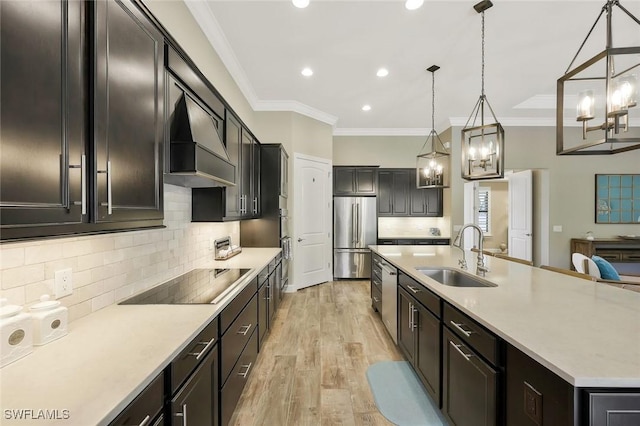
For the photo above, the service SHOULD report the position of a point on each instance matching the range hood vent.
(198, 158)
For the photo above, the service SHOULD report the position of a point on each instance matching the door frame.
(297, 195)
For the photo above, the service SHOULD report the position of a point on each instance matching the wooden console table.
(623, 253)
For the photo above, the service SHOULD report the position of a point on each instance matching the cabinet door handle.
(109, 186)
(413, 289)
(208, 344)
(183, 414)
(375, 299)
(83, 182)
(145, 421)
(246, 372)
(410, 316)
(245, 331)
(462, 330)
(413, 317)
(466, 356)
(255, 205)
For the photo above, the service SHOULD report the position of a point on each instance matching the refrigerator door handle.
(353, 223)
(358, 233)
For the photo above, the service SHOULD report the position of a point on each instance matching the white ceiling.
(529, 44)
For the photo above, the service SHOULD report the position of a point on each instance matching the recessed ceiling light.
(300, 3)
(307, 72)
(382, 72)
(366, 108)
(413, 4)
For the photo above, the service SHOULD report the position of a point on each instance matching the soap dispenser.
(16, 332)
(49, 320)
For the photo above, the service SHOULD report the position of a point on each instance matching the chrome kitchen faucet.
(481, 269)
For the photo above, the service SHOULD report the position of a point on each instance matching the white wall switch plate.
(557, 228)
(63, 283)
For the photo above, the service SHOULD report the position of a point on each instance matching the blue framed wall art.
(618, 198)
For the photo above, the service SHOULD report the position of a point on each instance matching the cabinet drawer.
(191, 356)
(420, 293)
(239, 302)
(376, 298)
(405, 242)
(236, 337)
(387, 242)
(232, 389)
(483, 341)
(631, 256)
(610, 255)
(263, 276)
(146, 405)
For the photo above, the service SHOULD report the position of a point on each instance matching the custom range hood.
(197, 156)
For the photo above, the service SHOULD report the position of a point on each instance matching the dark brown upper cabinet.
(399, 196)
(128, 119)
(82, 118)
(241, 201)
(358, 181)
(43, 133)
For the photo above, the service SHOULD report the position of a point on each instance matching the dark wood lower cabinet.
(419, 341)
(611, 407)
(146, 406)
(232, 389)
(263, 314)
(427, 357)
(536, 396)
(197, 401)
(469, 385)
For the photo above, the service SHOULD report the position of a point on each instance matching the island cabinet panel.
(534, 395)
(611, 407)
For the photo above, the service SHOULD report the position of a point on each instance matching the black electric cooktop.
(197, 286)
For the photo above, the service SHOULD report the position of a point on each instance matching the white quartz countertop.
(587, 333)
(108, 357)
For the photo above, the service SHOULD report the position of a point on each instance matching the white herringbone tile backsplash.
(110, 267)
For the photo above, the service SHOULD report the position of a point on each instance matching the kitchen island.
(538, 347)
(90, 375)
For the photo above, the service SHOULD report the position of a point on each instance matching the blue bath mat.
(400, 396)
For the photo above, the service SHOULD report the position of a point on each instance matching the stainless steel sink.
(455, 278)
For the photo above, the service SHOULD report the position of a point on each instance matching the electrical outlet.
(557, 228)
(212, 243)
(63, 283)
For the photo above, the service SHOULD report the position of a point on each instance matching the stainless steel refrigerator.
(354, 229)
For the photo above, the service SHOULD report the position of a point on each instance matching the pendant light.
(603, 92)
(482, 136)
(432, 166)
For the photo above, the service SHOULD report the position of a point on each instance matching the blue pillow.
(607, 271)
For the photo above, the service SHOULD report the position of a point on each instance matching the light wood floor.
(311, 369)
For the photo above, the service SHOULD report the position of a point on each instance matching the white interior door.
(312, 221)
(470, 213)
(521, 215)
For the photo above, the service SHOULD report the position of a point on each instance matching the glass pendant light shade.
(433, 161)
(606, 86)
(433, 167)
(482, 136)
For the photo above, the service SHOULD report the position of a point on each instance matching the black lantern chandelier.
(432, 166)
(606, 86)
(482, 136)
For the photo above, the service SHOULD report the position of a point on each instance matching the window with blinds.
(484, 200)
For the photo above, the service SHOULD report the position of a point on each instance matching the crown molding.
(209, 25)
(298, 107)
(381, 132)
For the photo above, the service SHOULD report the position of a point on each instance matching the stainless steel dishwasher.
(390, 299)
